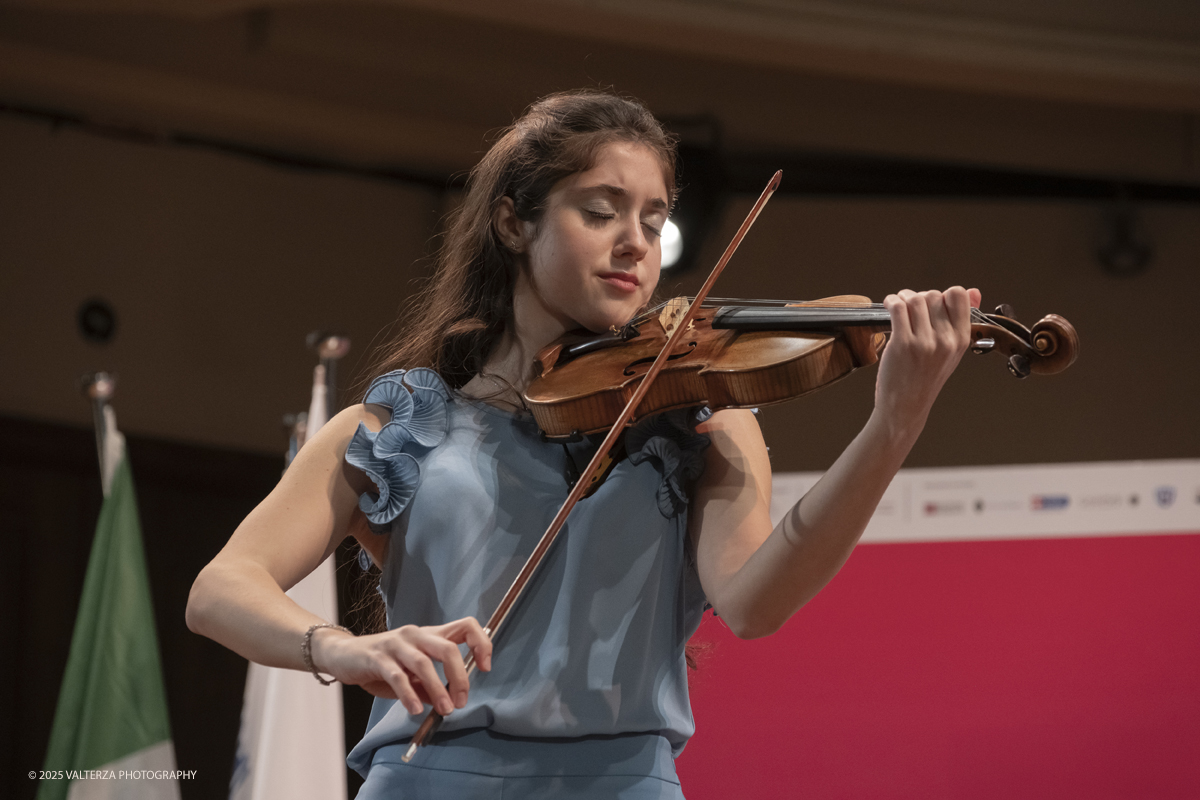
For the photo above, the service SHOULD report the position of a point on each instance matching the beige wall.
(415, 83)
(218, 266)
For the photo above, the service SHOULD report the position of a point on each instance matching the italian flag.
(111, 737)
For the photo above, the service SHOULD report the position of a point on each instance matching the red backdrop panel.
(1055, 668)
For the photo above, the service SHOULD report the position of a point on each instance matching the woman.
(559, 230)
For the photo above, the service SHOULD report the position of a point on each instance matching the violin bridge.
(672, 312)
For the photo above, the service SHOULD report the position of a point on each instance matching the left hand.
(930, 332)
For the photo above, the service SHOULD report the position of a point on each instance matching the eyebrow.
(617, 191)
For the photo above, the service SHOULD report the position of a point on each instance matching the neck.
(509, 367)
(533, 327)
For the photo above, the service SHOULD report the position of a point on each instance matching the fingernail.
(414, 707)
(460, 699)
(445, 707)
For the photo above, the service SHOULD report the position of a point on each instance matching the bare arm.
(757, 576)
(239, 598)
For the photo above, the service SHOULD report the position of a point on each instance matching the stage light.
(672, 244)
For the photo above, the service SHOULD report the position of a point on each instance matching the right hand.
(398, 664)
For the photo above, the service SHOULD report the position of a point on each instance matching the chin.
(601, 314)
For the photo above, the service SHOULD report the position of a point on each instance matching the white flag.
(292, 742)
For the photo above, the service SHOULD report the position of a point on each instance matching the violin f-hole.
(631, 370)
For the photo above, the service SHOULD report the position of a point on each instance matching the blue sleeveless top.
(596, 643)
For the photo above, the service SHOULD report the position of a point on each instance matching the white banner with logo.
(1025, 501)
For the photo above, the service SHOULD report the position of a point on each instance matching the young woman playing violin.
(443, 479)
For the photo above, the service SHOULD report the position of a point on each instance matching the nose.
(631, 243)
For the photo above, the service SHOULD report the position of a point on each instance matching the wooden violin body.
(745, 356)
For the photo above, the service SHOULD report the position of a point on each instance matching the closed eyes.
(600, 214)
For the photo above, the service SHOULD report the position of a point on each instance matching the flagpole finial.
(98, 386)
(329, 346)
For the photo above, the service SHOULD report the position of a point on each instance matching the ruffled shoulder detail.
(418, 401)
(671, 440)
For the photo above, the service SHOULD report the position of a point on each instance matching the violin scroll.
(1057, 343)
(1049, 347)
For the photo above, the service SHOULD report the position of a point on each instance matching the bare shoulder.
(373, 415)
(736, 459)
(328, 446)
(734, 433)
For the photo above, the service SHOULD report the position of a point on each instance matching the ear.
(508, 227)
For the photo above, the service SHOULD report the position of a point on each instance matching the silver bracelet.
(306, 648)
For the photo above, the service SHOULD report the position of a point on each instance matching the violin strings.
(977, 316)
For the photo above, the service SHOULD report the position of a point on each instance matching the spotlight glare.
(672, 244)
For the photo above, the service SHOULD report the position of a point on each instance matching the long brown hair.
(454, 322)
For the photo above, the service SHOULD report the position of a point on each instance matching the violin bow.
(434, 720)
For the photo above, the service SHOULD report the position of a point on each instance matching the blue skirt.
(481, 764)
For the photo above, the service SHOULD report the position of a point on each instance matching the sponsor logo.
(933, 508)
(1050, 502)
(1101, 501)
(1164, 496)
(992, 504)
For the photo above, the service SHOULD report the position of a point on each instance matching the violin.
(736, 355)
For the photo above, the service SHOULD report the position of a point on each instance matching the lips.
(625, 281)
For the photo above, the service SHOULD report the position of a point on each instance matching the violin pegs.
(1005, 310)
(982, 345)
(1018, 365)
